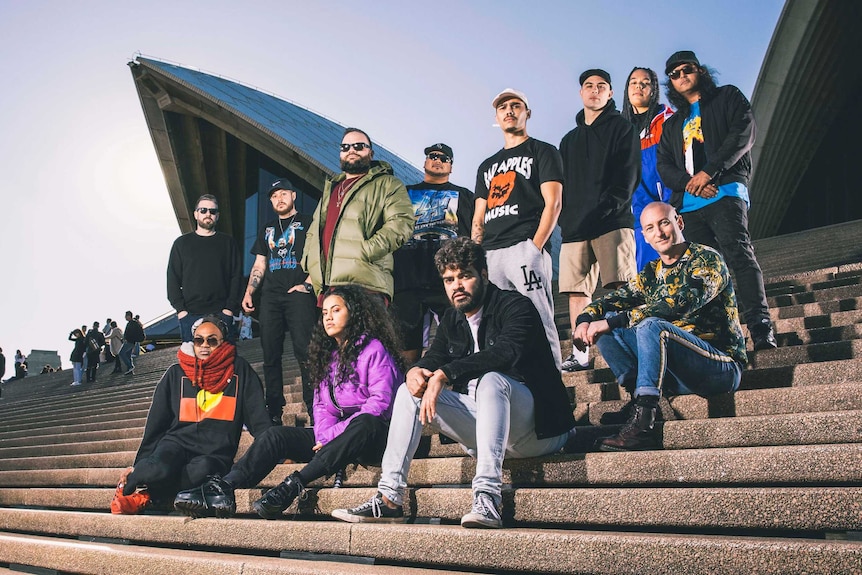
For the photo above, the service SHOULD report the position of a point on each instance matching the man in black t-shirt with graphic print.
(287, 300)
(443, 211)
(518, 201)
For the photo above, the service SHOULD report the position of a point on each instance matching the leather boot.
(640, 432)
(280, 497)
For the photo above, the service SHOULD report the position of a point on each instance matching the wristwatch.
(308, 287)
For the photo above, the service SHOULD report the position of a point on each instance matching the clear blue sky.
(86, 224)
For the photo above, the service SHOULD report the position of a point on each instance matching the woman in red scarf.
(195, 421)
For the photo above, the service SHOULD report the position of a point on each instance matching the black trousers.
(362, 441)
(92, 365)
(171, 468)
(295, 312)
(723, 225)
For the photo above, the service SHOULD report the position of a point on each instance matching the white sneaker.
(75, 383)
(572, 364)
(485, 513)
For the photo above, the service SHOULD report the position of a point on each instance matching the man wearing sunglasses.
(363, 216)
(443, 211)
(704, 156)
(204, 271)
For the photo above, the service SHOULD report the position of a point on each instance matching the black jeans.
(362, 441)
(170, 468)
(723, 225)
(297, 313)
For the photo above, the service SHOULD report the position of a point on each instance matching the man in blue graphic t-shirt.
(704, 156)
(287, 301)
(443, 211)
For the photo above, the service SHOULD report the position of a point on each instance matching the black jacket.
(728, 135)
(512, 341)
(602, 167)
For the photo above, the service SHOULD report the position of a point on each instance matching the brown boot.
(640, 432)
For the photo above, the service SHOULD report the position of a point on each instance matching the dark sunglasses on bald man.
(357, 147)
(211, 340)
(687, 69)
(213, 211)
(442, 157)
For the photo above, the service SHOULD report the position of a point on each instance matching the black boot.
(280, 497)
(215, 498)
(621, 416)
(763, 335)
(640, 432)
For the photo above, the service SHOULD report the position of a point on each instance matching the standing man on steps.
(287, 299)
(204, 271)
(518, 200)
(676, 330)
(704, 156)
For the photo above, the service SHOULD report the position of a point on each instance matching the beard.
(473, 301)
(206, 223)
(359, 166)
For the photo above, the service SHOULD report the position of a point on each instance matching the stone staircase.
(765, 480)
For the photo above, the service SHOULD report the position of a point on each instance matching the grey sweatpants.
(527, 270)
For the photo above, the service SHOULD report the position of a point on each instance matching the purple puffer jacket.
(371, 390)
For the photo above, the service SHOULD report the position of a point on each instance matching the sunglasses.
(213, 211)
(687, 69)
(442, 157)
(357, 147)
(211, 341)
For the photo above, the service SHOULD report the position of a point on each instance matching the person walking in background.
(642, 108)
(95, 342)
(115, 345)
(133, 335)
(77, 357)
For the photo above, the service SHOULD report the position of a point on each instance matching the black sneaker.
(485, 513)
(374, 510)
(571, 364)
(765, 339)
(276, 500)
(215, 498)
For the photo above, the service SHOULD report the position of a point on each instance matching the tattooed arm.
(254, 281)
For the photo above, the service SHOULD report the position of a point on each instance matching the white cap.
(507, 94)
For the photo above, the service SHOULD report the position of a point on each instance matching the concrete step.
(24, 432)
(821, 294)
(830, 464)
(812, 283)
(813, 509)
(100, 557)
(517, 550)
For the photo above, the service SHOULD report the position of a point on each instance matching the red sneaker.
(129, 504)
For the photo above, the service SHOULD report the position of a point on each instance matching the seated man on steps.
(677, 328)
(489, 381)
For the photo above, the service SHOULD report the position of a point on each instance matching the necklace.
(342, 191)
(289, 224)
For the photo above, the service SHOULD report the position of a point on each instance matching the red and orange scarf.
(213, 373)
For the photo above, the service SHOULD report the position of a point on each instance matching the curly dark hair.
(706, 85)
(628, 111)
(460, 253)
(367, 319)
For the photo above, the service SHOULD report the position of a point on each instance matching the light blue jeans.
(498, 422)
(77, 371)
(660, 358)
(128, 350)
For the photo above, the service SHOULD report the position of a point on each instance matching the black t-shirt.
(510, 181)
(443, 211)
(282, 242)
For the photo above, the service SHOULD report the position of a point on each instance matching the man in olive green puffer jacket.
(364, 215)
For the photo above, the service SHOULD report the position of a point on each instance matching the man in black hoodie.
(601, 166)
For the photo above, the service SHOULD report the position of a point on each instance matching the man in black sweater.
(601, 166)
(204, 271)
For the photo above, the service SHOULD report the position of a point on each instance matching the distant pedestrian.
(77, 357)
(115, 345)
(133, 335)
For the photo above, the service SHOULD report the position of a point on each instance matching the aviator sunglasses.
(211, 340)
(687, 69)
(213, 211)
(357, 147)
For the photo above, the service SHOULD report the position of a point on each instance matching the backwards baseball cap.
(441, 147)
(508, 94)
(681, 57)
(280, 184)
(594, 72)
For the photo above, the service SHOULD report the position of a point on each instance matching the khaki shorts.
(613, 253)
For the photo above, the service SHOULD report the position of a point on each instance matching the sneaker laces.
(375, 504)
(483, 504)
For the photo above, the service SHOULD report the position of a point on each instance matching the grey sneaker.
(374, 510)
(572, 364)
(484, 515)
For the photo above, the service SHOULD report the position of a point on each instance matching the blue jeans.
(656, 357)
(77, 371)
(127, 351)
(498, 422)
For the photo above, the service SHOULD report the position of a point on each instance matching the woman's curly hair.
(367, 319)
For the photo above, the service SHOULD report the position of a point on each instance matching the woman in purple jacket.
(355, 363)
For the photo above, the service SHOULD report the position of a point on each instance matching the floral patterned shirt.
(695, 294)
